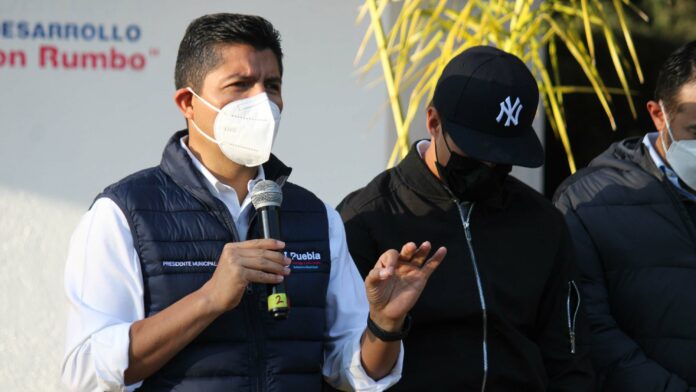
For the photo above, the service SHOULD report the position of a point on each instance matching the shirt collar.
(214, 185)
(649, 142)
(422, 147)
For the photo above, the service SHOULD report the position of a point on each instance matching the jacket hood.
(625, 155)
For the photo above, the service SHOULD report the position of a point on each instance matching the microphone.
(266, 197)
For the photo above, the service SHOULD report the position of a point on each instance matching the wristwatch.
(387, 336)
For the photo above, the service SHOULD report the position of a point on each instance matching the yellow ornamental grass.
(426, 34)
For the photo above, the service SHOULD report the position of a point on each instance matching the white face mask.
(681, 155)
(245, 129)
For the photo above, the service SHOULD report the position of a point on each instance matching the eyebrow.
(237, 76)
(245, 77)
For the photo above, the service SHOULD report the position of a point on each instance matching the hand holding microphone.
(254, 261)
(266, 196)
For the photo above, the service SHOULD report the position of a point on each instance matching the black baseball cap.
(487, 100)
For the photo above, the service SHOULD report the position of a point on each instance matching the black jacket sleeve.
(361, 243)
(563, 332)
(620, 363)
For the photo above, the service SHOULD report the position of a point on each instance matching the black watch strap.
(387, 336)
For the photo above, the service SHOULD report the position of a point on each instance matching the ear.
(432, 122)
(182, 99)
(657, 116)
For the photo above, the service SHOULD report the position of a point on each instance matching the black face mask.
(470, 179)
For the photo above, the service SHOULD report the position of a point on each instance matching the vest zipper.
(253, 329)
(257, 342)
(465, 216)
(572, 317)
(249, 308)
(250, 287)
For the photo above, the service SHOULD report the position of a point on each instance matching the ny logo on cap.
(512, 111)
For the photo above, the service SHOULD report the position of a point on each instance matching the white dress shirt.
(104, 286)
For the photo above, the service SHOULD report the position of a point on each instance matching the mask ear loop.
(669, 127)
(438, 165)
(444, 137)
(208, 104)
(205, 135)
(437, 158)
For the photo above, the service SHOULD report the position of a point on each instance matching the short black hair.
(198, 50)
(678, 70)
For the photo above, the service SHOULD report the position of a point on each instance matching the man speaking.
(167, 275)
(502, 313)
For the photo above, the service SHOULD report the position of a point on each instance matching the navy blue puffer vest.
(179, 230)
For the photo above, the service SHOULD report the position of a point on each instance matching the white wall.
(34, 233)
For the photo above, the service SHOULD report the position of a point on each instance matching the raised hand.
(396, 282)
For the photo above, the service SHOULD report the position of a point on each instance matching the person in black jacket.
(631, 214)
(501, 314)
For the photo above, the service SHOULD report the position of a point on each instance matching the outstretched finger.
(421, 254)
(384, 268)
(434, 262)
(408, 250)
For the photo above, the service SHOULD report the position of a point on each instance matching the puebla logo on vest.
(305, 260)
